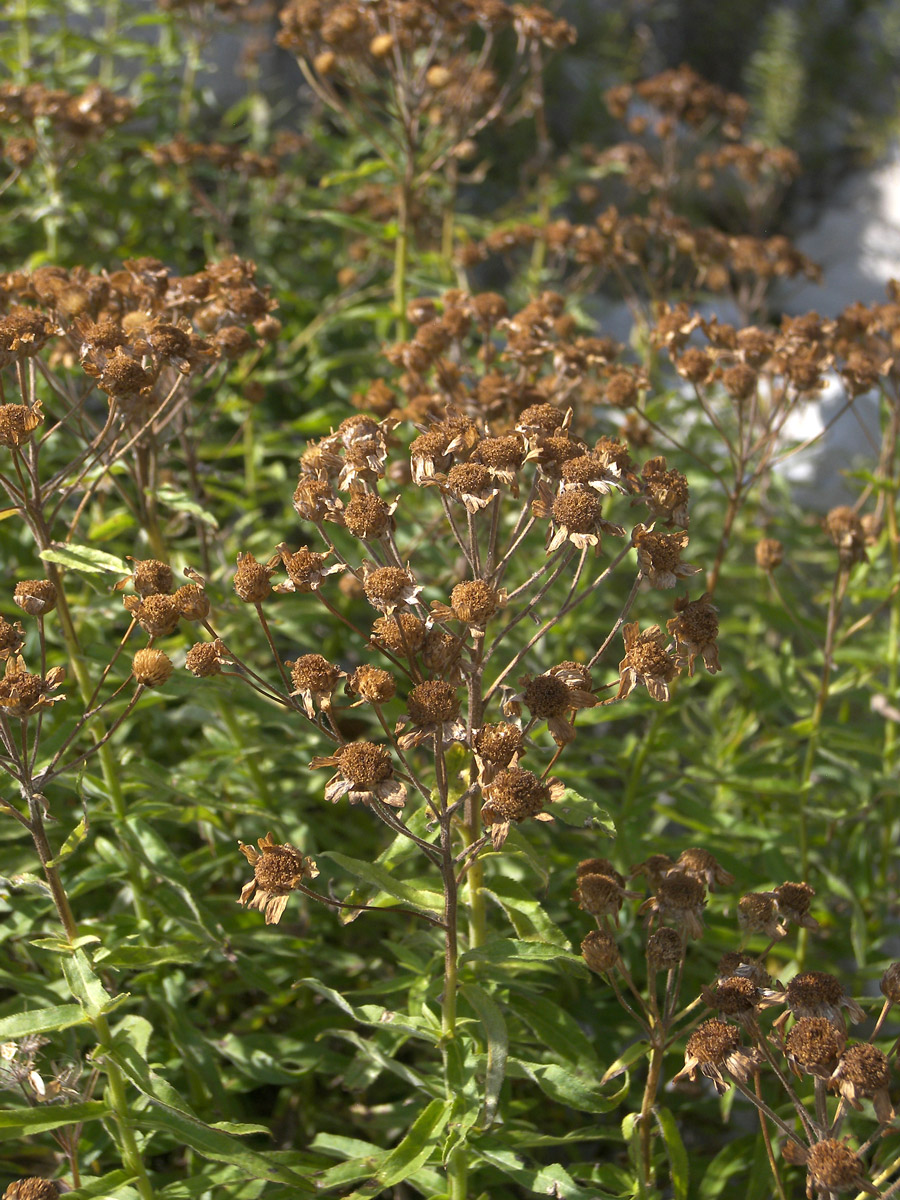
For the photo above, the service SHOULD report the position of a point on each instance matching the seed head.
(516, 794)
(432, 703)
(314, 674)
(32, 1188)
(12, 638)
(815, 1044)
(769, 554)
(474, 602)
(192, 601)
(401, 633)
(498, 744)
(665, 949)
(158, 615)
(367, 516)
(599, 895)
(18, 422)
(713, 1042)
(813, 989)
(151, 668)
(833, 1167)
(314, 499)
(203, 659)
(793, 901)
(543, 419)
(152, 577)
(734, 996)
(845, 529)
(890, 983)
(252, 579)
(866, 1067)
(371, 684)
(389, 588)
(758, 913)
(35, 596)
(599, 866)
(600, 951)
(547, 696)
(364, 764)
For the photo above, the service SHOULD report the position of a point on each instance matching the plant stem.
(651, 1088)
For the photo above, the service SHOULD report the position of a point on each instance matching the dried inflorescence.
(278, 870)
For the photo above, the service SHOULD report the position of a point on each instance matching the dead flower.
(364, 774)
(277, 871)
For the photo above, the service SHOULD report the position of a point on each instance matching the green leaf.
(375, 1014)
(677, 1154)
(416, 897)
(84, 984)
(567, 1085)
(575, 809)
(497, 1039)
(14, 1122)
(71, 844)
(633, 1054)
(510, 950)
(180, 501)
(551, 1180)
(412, 1153)
(41, 1020)
(85, 559)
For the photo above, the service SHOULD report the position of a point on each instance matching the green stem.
(651, 1088)
(401, 255)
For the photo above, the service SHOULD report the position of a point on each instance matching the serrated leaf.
(86, 559)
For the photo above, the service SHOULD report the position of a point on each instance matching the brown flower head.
(151, 668)
(372, 685)
(600, 951)
(666, 492)
(314, 678)
(679, 900)
(599, 866)
(429, 457)
(543, 420)
(12, 638)
(496, 746)
(833, 1167)
(656, 868)
(252, 579)
(314, 500)
(845, 529)
(158, 616)
(22, 693)
(735, 997)
(151, 577)
(715, 1048)
(277, 871)
(515, 794)
(503, 457)
(815, 994)
(600, 895)
(365, 774)
(814, 1045)
(37, 597)
(703, 866)
(864, 1072)
(665, 949)
(472, 484)
(432, 709)
(793, 900)
(769, 554)
(695, 628)
(890, 983)
(659, 556)
(576, 517)
(192, 602)
(441, 653)
(305, 569)
(203, 660)
(589, 471)
(646, 661)
(402, 634)
(389, 588)
(32, 1188)
(551, 698)
(472, 601)
(368, 517)
(758, 913)
(18, 422)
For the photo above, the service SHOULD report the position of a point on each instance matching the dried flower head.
(277, 871)
(22, 693)
(600, 951)
(845, 529)
(306, 569)
(472, 601)
(864, 1073)
(758, 913)
(18, 422)
(471, 484)
(665, 949)
(12, 638)
(815, 994)
(679, 900)
(666, 492)
(695, 628)
(373, 685)
(151, 577)
(646, 661)
(203, 660)
(656, 868)
(576, 517)
(158, 615)
(32, 1188)
(814, 1045)
(599, 866)
(600, 895)
(365, 774)
(793, 900)
(389, 588)
(715, 1048)
(735, 996)
(402, 634)
(252, 579)
(659, 556)
(151, 668)
(515, 794)
(192, 602)
(496, 747)
(35, 596)
(703, 866)
(890, 983)
(432, 709)
(314, 679)
(833, 1167)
